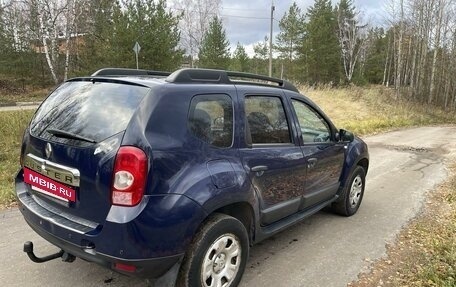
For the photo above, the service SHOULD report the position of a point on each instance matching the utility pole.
(270, 38)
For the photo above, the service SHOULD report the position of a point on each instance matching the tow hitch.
(66, 257)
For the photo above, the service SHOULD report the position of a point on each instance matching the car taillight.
(129, 179)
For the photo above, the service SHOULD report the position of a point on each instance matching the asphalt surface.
(19, 108)
(324, 250)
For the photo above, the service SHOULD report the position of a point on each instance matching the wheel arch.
(364, 163)
(243, 212)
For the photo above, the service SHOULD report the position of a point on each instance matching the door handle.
(259, 168)
(311, 162)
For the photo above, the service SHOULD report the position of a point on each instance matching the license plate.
(48, 186)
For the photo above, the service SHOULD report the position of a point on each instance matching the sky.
(248, 21)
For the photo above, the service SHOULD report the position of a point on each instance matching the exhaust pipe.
(66, 257)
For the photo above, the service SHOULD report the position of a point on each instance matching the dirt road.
(324, 250)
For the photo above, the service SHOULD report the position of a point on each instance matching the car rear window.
(93, 110)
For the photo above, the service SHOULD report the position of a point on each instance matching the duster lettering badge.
(51, 170)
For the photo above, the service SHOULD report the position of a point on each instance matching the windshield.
(92, 110)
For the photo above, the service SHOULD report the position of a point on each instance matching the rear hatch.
(69, 151)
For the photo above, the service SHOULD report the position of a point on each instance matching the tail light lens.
(130, 172)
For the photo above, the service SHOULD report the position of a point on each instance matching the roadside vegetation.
(369, 110)
(425, 252)
(16, 90)
(12, 125)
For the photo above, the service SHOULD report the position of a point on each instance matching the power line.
(239, 9)
(245, 17)
(225, 15)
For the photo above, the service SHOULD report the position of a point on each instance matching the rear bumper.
(153, 242)
(145, 268)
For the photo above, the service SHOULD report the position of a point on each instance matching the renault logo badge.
(48, 150)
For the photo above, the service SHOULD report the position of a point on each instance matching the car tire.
(352, 194)
(219, 250)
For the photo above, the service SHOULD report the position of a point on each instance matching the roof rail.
(128, 72)
(189, 75)
(280, 82)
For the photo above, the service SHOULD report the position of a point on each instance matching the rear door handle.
(259, 168)
(311, 162)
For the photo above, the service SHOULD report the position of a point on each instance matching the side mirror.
(346, 136)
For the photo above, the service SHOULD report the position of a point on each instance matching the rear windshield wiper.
(69, 135)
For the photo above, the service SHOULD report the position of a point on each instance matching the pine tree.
(240, 61)
(98, 47)
(117, 29)
(320, 53)
(290, 36)
(215, 52)
(261, 56)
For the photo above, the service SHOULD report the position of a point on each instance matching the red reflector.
(125, 267)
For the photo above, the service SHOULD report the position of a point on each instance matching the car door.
(323, 154)
(273, 158)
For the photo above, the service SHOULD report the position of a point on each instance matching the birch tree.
(50, 14)
(441, 7)
(195, 22)
(56, 21)
(351, 36)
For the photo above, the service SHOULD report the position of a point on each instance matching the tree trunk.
(436, 51)
(397, 82)
(46, 49)
(386, 61)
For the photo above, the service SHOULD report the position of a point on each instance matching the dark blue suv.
(176, 175)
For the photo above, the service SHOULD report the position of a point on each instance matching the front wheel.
(218, 254)
(352, 194)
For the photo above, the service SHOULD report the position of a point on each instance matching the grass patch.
(425, 252)
(373, 110)
(34, 95)
(12, 125)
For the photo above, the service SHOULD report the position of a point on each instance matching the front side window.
(313, 126)
(211, 119)
(267, 120)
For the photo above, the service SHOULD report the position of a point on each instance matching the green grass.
(12, 125)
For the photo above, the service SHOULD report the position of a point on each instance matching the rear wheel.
(353, 193)
(217, 255)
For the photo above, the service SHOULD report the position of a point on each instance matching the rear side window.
(94, 110)
(267, 120)
(211, 119)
